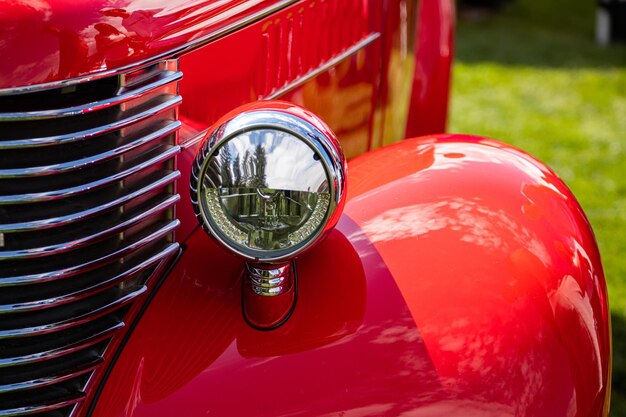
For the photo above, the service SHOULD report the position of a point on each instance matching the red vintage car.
(181, 235)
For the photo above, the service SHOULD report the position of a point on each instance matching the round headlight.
(269, 181)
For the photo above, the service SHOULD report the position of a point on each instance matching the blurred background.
(533, 73)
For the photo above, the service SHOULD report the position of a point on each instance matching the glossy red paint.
(469, 283)
(342, 72)
(333, 354)
(431, 80)
(500, 270)
(56, 40)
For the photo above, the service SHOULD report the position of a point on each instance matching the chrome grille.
(86, 223)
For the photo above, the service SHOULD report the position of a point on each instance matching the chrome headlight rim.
(289, 119)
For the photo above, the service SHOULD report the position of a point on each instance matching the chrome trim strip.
(165, 55)
(45, 381)
(164, 78)
(63, 350)
(86, 291)
(172, 102)
(22, 411)
(82, 215)
(194, 140)
(83, 188)
(94, 263)
(73, 321)
(89, 160)
(324, 67)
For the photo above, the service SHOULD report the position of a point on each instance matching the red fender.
(462, 279)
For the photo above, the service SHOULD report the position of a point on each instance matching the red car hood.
(43, 41)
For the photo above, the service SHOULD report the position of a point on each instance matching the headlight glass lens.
(266, 191)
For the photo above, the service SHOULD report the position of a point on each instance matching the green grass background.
(532, 75)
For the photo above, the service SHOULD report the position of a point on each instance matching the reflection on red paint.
(499, 268)
(433, 64)
(299, 55)
(350, 344)
(79, 38)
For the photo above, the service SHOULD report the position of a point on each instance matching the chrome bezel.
(322, 142)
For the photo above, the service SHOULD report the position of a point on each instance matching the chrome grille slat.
(87, 202)
(85, 291)
(74, 217)
(88, 133)
(23, 411)
(127, 94)
(44, 381)
(73, 321)
(83, 188)
(65, 350)
(89, 239)
(90, 264)
(84, 162)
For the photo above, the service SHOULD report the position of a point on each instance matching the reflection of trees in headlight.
(267, 159)
(271, 219)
